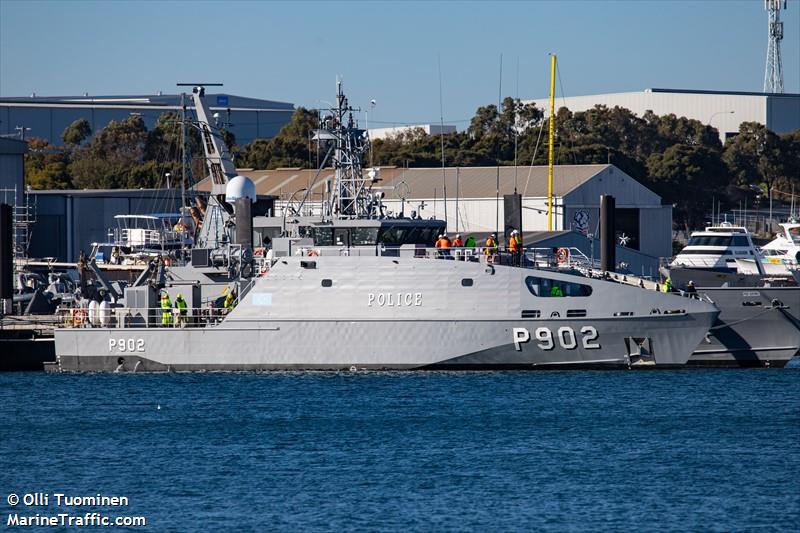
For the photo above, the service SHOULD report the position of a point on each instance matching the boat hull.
(335, 345)
(756, 327)
(334, 313)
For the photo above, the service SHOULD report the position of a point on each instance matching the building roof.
(654, 90)
(170, 101)
(426, 183)
(107, 192)
(732, 93)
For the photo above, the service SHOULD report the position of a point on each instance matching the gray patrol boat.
(349, 287)
(759, 320)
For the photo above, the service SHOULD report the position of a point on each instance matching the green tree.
(77, 132)
(757, 156)
(46, 166)
(684, 175)
(290, 148)
(112, 158)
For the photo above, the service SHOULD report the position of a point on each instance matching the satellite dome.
(240, 187)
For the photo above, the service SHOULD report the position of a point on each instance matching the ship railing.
(558, 258)
(141, 317)
(148, 238)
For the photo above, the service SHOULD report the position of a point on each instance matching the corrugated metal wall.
(708, 108)
(69, 222)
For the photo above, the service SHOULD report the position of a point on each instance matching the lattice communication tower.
(773, 76)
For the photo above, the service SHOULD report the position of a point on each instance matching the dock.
(27, 343)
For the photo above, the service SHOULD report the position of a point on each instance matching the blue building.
(47, 117)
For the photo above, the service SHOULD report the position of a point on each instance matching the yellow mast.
(550, 142)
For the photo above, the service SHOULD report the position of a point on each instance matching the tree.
(791, 145)
(756, 156)
(111, 158)
(46, 166)
(77, 132)
(290, 148)
(683, 175)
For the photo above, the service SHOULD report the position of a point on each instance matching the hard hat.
(179, 295)
(458, 236)
(493, 235)
(691, 282)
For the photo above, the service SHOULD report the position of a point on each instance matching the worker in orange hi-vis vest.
(490, 249)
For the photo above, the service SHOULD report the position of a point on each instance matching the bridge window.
(364, 236)
(322, 236)
(544, 287)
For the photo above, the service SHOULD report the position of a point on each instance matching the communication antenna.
(773, 76)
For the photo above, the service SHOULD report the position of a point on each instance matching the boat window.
(322, 236)
(327, 283)
(531, 313)
(399, 235)
(710, 240)
(740, 240)
(393, 235)
(576, 313)
(364, 236)
(544, 287)
(794, 233)
(427, 236)
(705, 252)
(466, 282)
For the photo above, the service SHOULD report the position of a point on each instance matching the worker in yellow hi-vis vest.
(166, 310)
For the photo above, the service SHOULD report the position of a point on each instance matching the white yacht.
(785, 248)
(717, 248)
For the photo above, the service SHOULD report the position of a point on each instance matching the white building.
(722, 110)
(429, 129)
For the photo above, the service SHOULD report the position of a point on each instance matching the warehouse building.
(473, 206)
(12, 169)
(722, 110)
(427, 129)
(47, 117)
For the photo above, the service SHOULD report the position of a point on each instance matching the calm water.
(682, 451)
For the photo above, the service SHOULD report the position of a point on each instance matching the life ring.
(562, 256)
(312, 253)
(263, 270)
(78, 317)
(258, 252)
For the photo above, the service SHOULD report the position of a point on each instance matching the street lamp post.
(770, 209)
(372, 104)
(719, 113)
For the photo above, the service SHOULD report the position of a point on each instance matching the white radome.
(240, 187)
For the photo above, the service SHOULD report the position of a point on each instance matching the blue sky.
(293, 51)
